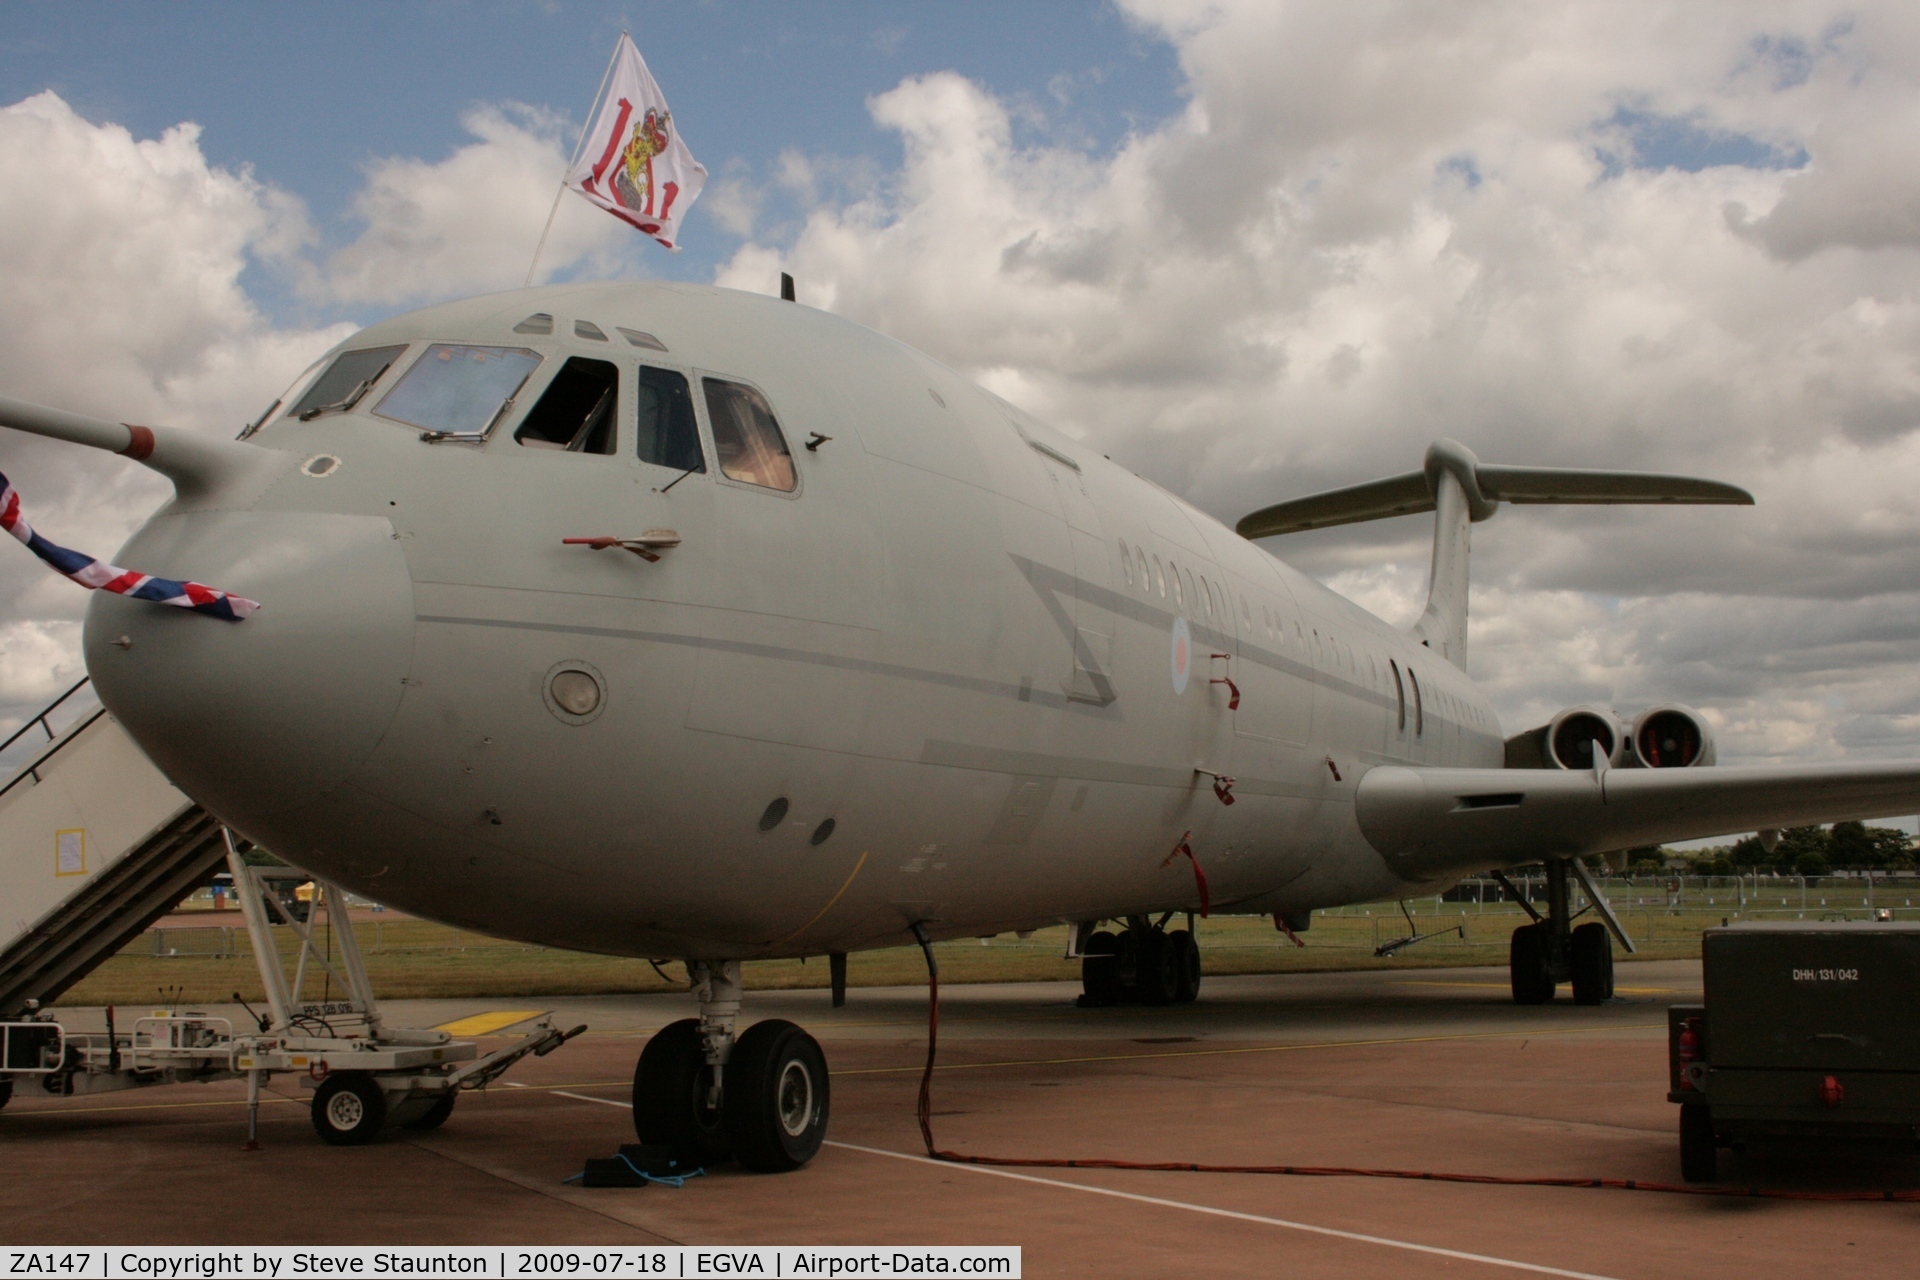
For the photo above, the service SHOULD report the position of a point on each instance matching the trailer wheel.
(6, 1093)
(670, 1096)
(1186, 954)
(348, 1109)
(1699, 1148)
(1592, 964)
(777, 1097)
(1527, 965)
(1100, 970)
(436, 1115)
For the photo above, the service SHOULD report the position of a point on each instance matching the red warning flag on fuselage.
(634, 164)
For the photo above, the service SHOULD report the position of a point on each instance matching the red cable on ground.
(924, 1112)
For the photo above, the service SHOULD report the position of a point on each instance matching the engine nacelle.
(1576, 734)
(1672, 736)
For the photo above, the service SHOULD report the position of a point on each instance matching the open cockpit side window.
(350, 376)
(747, 437)
(577, 411)
(664, 427)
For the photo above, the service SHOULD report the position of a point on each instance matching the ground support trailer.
(363, 1074)
(1807, 1033)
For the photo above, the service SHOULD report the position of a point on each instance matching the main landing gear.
(1143, 962)
(760, 1097)
(1553, 950)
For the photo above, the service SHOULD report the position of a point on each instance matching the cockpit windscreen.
(458, 389)
(348, 378)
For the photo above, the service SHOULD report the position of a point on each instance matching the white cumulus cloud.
(1642, 236)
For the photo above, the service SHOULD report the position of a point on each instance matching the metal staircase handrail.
(31, 769)
(46, 711)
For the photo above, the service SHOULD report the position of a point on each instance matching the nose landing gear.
(1553, 950)
(1143, 962)
(760, 1098)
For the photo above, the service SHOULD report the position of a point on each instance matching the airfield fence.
(1468, 925)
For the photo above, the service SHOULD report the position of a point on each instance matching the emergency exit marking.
(1826, 975)
(70, 852)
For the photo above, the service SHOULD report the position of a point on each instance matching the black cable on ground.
(924, 1112)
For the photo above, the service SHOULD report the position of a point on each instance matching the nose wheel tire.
(777, 1097)
(1100, 970)
(1527, 963)
(348, 1109)
(671, 1088)
(1186, 956)
(1592, 964)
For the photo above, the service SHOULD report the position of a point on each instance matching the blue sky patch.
(1646, 140)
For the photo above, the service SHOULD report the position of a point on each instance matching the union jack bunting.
(100, 575)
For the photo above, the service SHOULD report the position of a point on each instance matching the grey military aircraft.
(677, 622)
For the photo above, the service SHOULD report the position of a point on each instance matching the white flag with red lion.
(634, 164)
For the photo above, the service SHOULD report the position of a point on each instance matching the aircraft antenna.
(557, 195)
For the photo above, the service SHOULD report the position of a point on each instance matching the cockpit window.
(577, 411)
(666, 430)
(459, 390)
(351, 376)
(747, 437)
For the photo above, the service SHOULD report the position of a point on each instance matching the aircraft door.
(1278, 680)
(782, 649)
(1217, 644)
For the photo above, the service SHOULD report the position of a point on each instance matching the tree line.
(1804, 851)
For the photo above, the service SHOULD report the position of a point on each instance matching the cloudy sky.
(1251, 249)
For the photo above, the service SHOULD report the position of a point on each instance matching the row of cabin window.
(1205, 595)
(1151, 576)
(462, 389)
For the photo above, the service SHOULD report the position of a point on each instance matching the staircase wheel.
(348, 1109)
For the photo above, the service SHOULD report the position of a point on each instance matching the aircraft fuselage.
(954, 650)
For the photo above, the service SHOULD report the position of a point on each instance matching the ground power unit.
(1808, 1032)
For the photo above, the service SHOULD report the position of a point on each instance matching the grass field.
(418, 959)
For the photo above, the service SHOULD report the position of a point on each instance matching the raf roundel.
(1181, 655)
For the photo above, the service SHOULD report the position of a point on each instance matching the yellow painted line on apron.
(483, 1024)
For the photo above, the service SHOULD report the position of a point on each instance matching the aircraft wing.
(1430, 822)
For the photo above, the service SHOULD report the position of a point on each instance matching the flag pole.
(577, 148)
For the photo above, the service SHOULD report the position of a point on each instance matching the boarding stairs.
(95, 845)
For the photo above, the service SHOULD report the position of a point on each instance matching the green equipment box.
(1810, 1030)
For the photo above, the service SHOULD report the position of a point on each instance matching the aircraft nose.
(260, 716)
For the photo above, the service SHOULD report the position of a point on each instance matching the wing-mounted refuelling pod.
(1463, 490)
